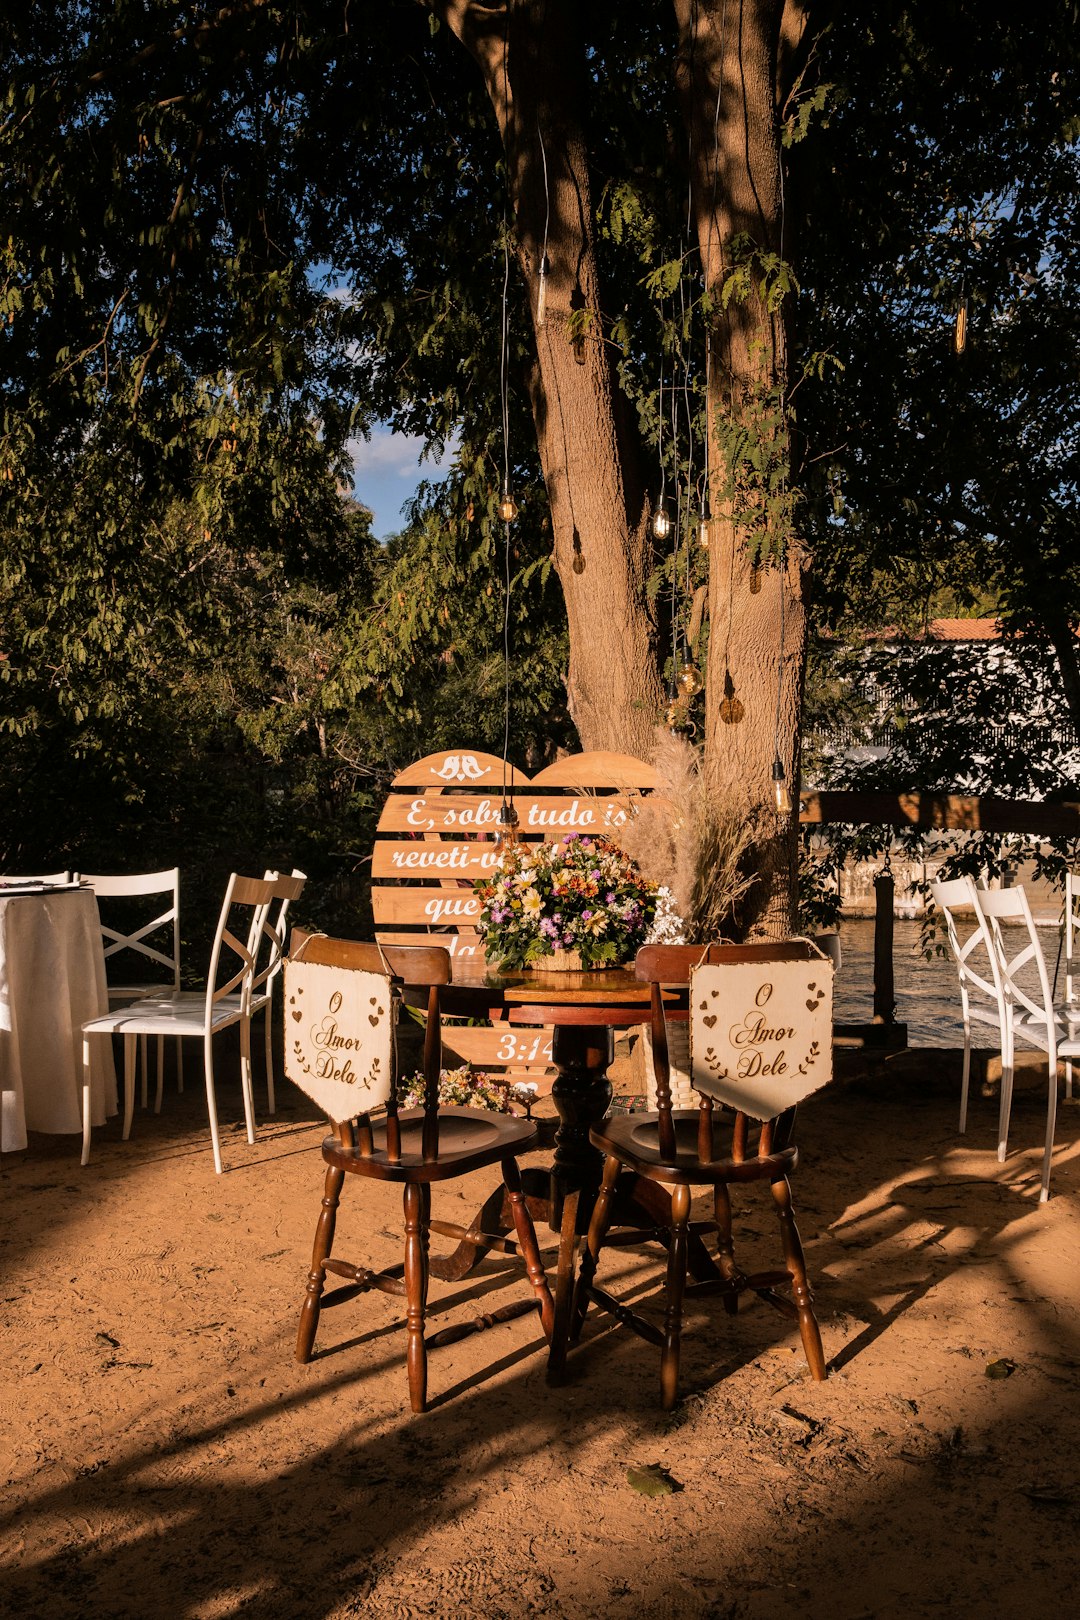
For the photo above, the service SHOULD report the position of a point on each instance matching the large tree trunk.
(727, 76)
(530, 60)
(589, 450)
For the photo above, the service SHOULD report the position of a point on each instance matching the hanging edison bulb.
(781, 796)
(661, 524)
(506, 830)
(704, 532)
(689, 679)
(507, 507)
(674, 715)
(960, 334)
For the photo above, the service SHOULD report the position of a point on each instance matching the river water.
(927, 993)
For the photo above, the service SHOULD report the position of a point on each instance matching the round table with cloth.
(52, 979)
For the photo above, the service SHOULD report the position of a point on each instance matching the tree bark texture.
(728, 70)
(732, 55)
(529, 55)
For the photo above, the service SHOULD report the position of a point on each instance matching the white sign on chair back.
(761, 1033)
(339, 1036)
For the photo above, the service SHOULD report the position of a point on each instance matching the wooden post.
(884, 995)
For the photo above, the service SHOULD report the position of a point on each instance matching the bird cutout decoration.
(341, 1052)
(761, 1033)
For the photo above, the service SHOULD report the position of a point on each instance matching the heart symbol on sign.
(813, 1004)
(703, 1006)
(710, 1021)
(714, 994)
(373, 1020)
(297, 1015)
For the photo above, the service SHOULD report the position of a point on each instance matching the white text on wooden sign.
(761, 1033)
(545, 815)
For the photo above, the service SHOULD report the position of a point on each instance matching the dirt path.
(166, 1456)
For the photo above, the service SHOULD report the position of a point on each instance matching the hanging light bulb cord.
(504, 395)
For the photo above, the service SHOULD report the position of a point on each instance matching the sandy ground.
(166, 1456)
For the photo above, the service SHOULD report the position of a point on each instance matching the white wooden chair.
(1031, 1017)
(286, 888)
(982, 998)
(1072, 961)
(191, 1015)
(144, 885)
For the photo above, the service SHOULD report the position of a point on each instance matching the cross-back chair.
(1072, 961)
(267, 933)
(414, 1147)
(681, 1149)
(1030, 1015)
(982, 995)
(192, 1015)
(145, 943)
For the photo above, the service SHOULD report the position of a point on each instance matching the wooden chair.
(680, 1149)
(414, 1148)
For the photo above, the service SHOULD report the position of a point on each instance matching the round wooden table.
(585, 1009)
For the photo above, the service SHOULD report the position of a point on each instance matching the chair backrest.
(979, 994)
(1001, 906)
(37, 877)
(224, 976)
(287, 887)
(1072, 929)
(677, 965)
(137, 884)
(397, 967)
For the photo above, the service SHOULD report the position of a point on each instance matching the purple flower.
(610, 897)
(585, 915)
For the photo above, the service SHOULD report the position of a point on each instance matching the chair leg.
(796, 1264)
(1005, 1101)
(564, 1288)
(530, 1249)
(271, 1101)
(85, 1100)
(676, 1283)
(417, 1218)
(966, 1078)
(1051, 1120)
(160, 1073)
(211, 1098)
(245, 1078)
(129, 1083)
(324, 1242)
(598, 1230)
(725, 1247)
(180, 1065)
(143, 1068)
(1068, 1080)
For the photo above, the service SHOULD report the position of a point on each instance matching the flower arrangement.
(465, 1088)
(581, 895)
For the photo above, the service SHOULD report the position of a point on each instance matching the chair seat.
(197, 998)
(138, 992)
(468, 1139)
(634, 1139)
(172, 1015)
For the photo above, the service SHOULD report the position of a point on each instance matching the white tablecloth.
(52, 978)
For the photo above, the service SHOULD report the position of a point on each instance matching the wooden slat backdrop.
(434, 839)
